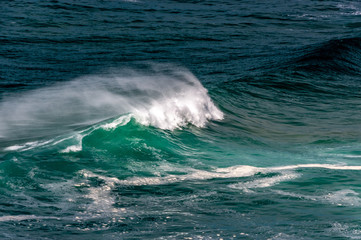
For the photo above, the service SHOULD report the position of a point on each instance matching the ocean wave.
(337, 56)
(162, 96)
(314, 74)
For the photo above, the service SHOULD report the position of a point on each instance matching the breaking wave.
(162, 96)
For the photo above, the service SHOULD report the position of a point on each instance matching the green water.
(180, 120)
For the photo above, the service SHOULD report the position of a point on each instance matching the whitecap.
(163, 96)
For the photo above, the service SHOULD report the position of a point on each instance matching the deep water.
(180, 119)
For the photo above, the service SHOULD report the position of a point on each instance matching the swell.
(310, 98)
(334, 56)
(328, 68)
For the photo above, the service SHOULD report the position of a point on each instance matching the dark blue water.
(180, 119)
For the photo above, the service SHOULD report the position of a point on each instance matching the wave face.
(180, 120)
(338, 56)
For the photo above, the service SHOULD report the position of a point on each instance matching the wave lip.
(192, 106)
(162, 96)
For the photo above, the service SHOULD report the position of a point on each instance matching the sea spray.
(163, 96)
(97, 142)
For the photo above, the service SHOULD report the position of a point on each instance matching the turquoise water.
(180, 120)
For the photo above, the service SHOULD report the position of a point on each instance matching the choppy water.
(180, 119)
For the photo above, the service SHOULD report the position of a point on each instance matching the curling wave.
(163, 96)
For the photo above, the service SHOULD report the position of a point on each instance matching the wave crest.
(161, 96)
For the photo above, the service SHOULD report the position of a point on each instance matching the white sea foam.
(38, 144)
(76, 137)
(345, 197)
(18, 218)
(349, 155)
(76, 147)
(71, 194)
(349, 9)
(283, 236)
(194, 174)
(73, 148)
(27, 146)
(101, 195)
(103, 199)
(347, 231)
(326, 166)
(233, 172)
(121, 121)
(191, 105)
(264, 182)
(164, 96)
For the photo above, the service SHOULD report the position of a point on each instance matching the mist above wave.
(162, 96)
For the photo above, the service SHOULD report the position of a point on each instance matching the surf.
(162, 96)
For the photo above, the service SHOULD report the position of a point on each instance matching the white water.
(233, 172)
(24, 217)
(164, 96)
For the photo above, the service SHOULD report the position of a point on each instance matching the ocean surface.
(146, 119)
